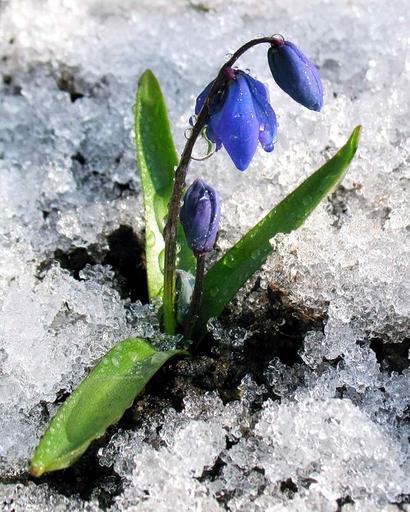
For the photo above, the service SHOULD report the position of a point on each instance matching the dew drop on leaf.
(214, 292)
(161, 260)
(229, 260)
(115, 361)
(255, 254)
(150, 239)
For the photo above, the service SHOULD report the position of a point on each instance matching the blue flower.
(200, 215)
(295, 74)
(240, 117)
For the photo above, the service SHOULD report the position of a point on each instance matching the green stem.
(170, 230)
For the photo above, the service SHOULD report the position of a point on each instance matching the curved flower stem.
(179, 185)
(192, 315)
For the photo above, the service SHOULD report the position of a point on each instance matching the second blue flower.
(295, 74)
(240, 117)
(200, 216)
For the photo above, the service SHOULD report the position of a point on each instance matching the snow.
(324, 427)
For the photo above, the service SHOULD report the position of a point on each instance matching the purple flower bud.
(200, 216)
(240, 117)
(295, 74)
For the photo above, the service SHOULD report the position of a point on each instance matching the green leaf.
(156, 158)
(228, 274)
(98, 402)
(185, 257)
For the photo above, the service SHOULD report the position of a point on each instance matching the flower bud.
(295, 74)
(200, 216)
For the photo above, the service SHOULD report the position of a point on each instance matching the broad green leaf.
(228, 274)
(98, 402)
(157, 158)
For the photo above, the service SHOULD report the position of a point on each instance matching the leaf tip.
(36, 469)
(354, 138)
(146, 77)
(148, 88)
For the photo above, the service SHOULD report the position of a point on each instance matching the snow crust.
(328, 431)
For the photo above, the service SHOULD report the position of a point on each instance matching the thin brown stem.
(170, 229)
(192, 316)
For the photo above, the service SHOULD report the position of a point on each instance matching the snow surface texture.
(324, 430)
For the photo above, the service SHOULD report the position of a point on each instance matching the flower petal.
(215, 218)
(210, 132)
(199, 216)
(265, 113)
(202, 97)
(236, 124)
(296, 75)
(210, 123)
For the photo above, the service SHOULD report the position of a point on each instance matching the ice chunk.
(335, 430)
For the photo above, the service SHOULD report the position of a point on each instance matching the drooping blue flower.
(240, 117)
(200, 215)
(295, 74)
